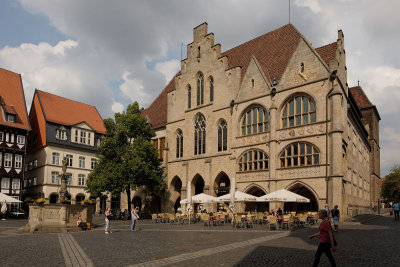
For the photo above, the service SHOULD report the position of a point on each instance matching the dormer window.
(61, 134)
(10, 118)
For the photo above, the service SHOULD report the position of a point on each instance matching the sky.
(111, 53)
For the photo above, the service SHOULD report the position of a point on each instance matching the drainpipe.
(332, 79)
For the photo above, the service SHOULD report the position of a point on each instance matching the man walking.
(335, 217)
(396, 209)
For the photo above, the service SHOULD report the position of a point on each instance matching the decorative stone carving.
(254, 176)
(298, 172)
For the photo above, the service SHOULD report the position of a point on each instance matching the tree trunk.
(128, 196)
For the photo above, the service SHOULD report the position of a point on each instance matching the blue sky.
(108, 53)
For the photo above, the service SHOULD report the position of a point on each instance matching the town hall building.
(269, 114)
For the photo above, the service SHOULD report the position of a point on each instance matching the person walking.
(326, 241)
(4, 210)
(108, 218)
(335, 217)
(134, 217)
(396, 209)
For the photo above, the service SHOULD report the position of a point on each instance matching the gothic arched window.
(200, 89)
(253, 160)
(189, 97)
(299, 110)
(254, 121)
(179, 144)
(200, 135)
(222, 136)
(299, 154)
(211, 89)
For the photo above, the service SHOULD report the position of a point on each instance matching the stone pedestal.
(57, 217)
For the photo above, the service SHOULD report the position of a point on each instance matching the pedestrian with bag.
(108, 219)
(396, 210)
(326, 239)
(134, 217)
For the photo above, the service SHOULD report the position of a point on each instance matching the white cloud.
(134, 89)
(117, 107)
(168, 69)
(313, 5)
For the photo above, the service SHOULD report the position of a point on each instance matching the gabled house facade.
(14, 129)
(61, 128)
(271, 113)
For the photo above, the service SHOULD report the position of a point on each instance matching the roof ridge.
(65, 98)
(10, 71)
(325, 45)
(255, 38)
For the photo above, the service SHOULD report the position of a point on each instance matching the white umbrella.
(239, 197)
(8, 199)
(282, 195)
(200, 198)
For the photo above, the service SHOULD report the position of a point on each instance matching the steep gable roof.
(360, 97)
(12, 99)
(273, 50)
(327, 52)
(157, 111)
(68, 112)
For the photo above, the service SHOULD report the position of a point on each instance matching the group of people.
(134, 218)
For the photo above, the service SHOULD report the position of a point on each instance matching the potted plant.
(86, 202)
(65, 201)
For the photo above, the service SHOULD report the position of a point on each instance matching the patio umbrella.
(238, 197)
(282, 195)
(200, 198)
(8, 199)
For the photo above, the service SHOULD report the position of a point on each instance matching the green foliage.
(391, 186)
(127, 157)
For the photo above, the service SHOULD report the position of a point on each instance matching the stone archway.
(175, 190)
(256, 191)
(155, 204)
(79, 197)
(222, 184)
(197, 185)
(303, 190)
(53, 198)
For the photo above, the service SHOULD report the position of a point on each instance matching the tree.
(127, 157)
(391, 186)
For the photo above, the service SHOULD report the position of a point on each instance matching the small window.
(1, 136)
(61, 134)
(81, 179)
(7, 160)
(35, 163)
(302, 67)
(179, 144)
(56, 158)
(20, 139)
(7, 137)
(30, 165)
(55, 178)
(83, 137)
(69, 178)
(10, 118)
(222, 136)
(76, 136)
(82, 162)
(18, 161)
(211, 89)
(200, 89)
(198, 52)
(252, 83)
(189, 95)
(15, 185)
(88, 138)
(5, 185)
(70, 159)
(93, 163)
(34, 181)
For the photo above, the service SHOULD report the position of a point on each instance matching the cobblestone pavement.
(359, 244)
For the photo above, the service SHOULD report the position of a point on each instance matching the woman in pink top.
(108, 218)
(326, 241)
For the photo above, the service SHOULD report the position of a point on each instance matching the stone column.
(272, 147)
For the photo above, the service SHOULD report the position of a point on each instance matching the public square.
(368, 240)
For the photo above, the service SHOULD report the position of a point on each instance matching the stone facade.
(332, 163)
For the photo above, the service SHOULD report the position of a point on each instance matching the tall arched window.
(254, 121)
(200, 89)
(189, 95)
(299, 110)
(253, 160)
(299, 154)
(211, 89)
(200, 135)
(222, 136)
(179, 144)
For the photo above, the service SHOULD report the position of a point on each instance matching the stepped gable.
(12, 99)
(360, 97)
(157, 111)
(68, 112)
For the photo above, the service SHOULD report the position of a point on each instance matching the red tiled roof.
(13, 99)
(273, 51)
(157, 111)
(360, 97)
(327, 52)
(68, 112)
